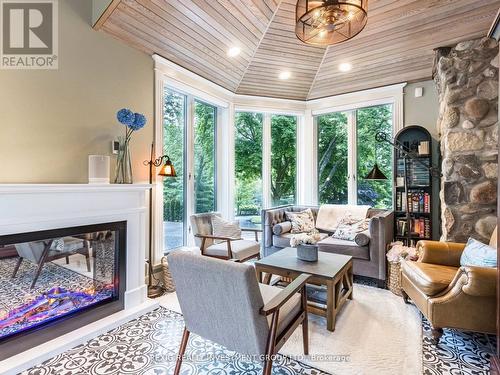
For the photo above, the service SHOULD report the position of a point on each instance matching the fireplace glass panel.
(47, 279)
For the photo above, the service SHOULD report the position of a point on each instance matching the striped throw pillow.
(224, 228)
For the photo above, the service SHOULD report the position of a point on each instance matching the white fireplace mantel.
(36, 207)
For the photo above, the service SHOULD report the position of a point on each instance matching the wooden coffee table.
(332, 270)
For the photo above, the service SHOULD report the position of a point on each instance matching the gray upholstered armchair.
(221, 247)
(229, 307)
(368, 259)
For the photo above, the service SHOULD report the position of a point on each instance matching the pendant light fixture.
(327, 22)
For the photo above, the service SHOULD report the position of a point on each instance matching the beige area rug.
(376, 331)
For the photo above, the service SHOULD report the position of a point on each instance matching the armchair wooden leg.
(436, 335)
(305, 323)
(271, 345)
(182, 350)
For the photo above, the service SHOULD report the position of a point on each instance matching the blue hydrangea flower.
(125, 116)
(139, 122)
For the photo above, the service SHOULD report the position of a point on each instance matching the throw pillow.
(302, 222)
(362, 238)
(478, 254)
(281, 228)
(348, 232)
(224, 228)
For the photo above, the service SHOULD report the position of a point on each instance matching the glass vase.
(123, 173)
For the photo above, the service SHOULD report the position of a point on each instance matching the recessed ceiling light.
(285, 75)
(233, 51)
(345, 67)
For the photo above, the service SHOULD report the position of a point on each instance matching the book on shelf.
(419, 227)
(416, 201)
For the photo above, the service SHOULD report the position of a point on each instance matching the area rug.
(376, 333)
(149, 345)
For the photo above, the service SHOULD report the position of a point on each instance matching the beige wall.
(50, 121)
(422, 111)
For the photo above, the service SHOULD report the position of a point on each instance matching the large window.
(283, 159)
(332, 158)
(174, 126)
(248, 167)
(347, 151)
(205, 118)
(369, 121)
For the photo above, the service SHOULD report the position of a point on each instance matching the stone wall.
(466, 77)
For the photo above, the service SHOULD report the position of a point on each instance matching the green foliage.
(332, 158)
(173, 145)
(204, 157)
(283, 159)
(248, 161)
(370, 121)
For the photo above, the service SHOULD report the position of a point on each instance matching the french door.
(189, 138)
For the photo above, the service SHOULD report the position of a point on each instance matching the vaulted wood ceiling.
(396, 45)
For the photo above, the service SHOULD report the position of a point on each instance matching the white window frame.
(227, 103)
(349, 104)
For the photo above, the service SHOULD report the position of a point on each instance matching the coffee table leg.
(330, 306)
(350, 280)
(267, 278)
(258, 273)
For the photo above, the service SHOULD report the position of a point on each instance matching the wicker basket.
(394, 277)
(168, 281)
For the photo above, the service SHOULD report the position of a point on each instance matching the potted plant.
(305, 243)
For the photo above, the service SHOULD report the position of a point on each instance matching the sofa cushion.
(241, 249)
(336, 246)
(428, 278)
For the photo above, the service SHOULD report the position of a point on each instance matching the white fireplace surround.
(33, 207)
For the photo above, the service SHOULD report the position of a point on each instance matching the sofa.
(368, 260)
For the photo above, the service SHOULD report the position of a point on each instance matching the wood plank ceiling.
(396, 45)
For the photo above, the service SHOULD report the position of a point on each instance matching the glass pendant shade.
(327, 22)
(167, 170)
(376, 174)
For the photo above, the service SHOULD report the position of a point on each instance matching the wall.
(422, 111)
(467, 81)
(52, 120)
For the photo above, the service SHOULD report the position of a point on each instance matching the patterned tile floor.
(149, 344)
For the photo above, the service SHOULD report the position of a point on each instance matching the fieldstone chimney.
(466, 77)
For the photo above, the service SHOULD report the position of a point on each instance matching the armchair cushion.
(443, 253)
(478, 254)
(287, 312)
(429, 278)
(241, 249)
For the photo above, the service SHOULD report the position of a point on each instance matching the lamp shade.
(375, 174)
(327, 22)
(167, 170)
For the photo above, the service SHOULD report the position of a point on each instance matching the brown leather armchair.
(450, 296)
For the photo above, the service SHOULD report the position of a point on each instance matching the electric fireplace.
(55, 281)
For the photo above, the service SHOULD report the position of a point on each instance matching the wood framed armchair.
(229, 307)
(450, 295)
(220, 247)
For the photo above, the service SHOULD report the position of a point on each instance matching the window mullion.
(266, 161)
(352, 158)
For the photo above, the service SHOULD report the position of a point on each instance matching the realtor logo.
(29, 37)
